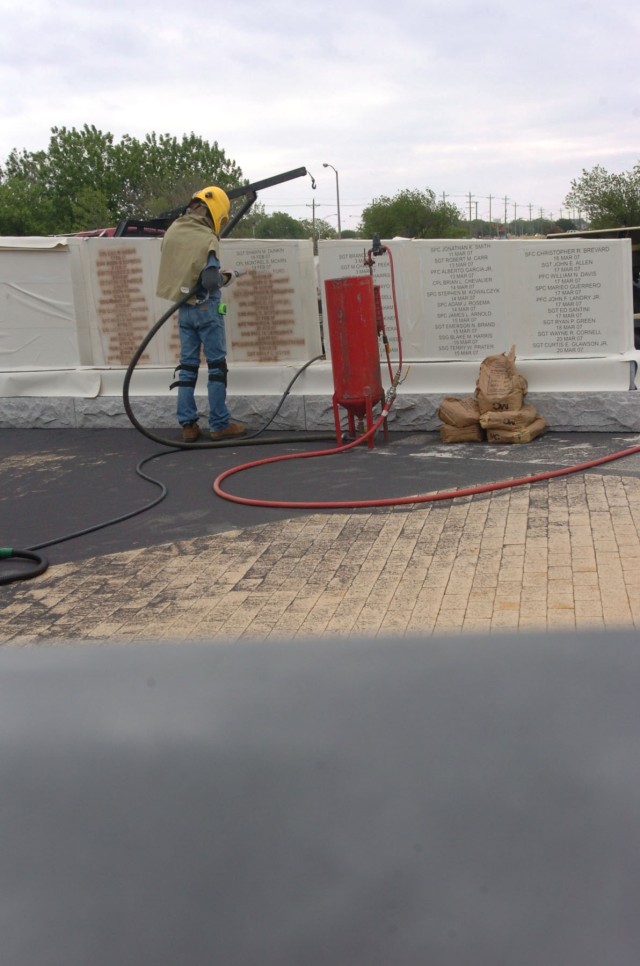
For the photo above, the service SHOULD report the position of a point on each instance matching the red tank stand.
(351, 417)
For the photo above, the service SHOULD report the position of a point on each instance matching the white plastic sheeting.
(73, 311)
(68, 305)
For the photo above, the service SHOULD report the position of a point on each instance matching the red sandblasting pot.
(353, 339)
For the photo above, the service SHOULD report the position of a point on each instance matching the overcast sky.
(497, 98)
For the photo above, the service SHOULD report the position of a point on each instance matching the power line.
(472, 202)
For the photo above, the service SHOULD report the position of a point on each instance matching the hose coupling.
(397, 379)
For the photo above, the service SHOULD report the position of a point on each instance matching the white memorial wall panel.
(344, 259)
(272, 311)
(463, 300)
(115, 300)
(464, 305)
(272, 307)
(575, 298)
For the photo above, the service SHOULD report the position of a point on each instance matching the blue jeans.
(203, 325)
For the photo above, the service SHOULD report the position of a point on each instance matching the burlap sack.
(461, 434)
(525, 435)
(496, 374)
(509, 419)
(459, 412)
(510, 403)
(499, 385)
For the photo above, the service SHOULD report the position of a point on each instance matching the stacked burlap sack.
(496, 412)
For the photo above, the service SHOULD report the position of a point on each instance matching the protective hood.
(184, 253)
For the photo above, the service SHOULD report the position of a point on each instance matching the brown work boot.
(190, 432)
(233, 429)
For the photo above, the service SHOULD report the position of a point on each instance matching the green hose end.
(6, 552)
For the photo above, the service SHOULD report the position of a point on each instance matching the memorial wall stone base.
(563, 411)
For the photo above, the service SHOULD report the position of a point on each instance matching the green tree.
(248, 224)
(258, 224)
(608, 200)
(566, 224)
(316, 229)
(25, 208)
(322, 228)
(159, 173)
(86, 180)
(412, 214)
(280, 225)
(542, 226)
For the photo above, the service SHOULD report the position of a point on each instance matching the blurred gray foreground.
(467, 801)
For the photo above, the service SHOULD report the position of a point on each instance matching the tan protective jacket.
(185, 249)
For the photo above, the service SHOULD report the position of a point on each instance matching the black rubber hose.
(124, 516)
(40, 564)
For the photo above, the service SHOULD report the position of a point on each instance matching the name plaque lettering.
(463, 300)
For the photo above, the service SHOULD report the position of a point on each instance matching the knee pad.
(218, 370)
(185, 367)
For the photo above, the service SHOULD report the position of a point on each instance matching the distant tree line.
(87, 180)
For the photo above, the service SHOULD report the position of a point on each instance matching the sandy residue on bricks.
(559, 554)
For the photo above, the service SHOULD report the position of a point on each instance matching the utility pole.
(313, 221)
(313, 229)
(470, 196)
(505, 217)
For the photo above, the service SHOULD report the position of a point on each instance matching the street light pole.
(326, 165)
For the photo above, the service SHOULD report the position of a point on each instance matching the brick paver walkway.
(562, 554)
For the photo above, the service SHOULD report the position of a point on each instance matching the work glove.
(211, 279)
(229, 277)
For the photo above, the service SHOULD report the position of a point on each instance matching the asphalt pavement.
(56, 484)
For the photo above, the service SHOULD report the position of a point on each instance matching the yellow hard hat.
(218, 204)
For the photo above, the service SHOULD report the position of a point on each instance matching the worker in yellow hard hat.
(190, 258)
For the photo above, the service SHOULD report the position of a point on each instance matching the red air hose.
(394, 501)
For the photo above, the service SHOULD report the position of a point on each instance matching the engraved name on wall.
(122, 308)
(270, 302)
